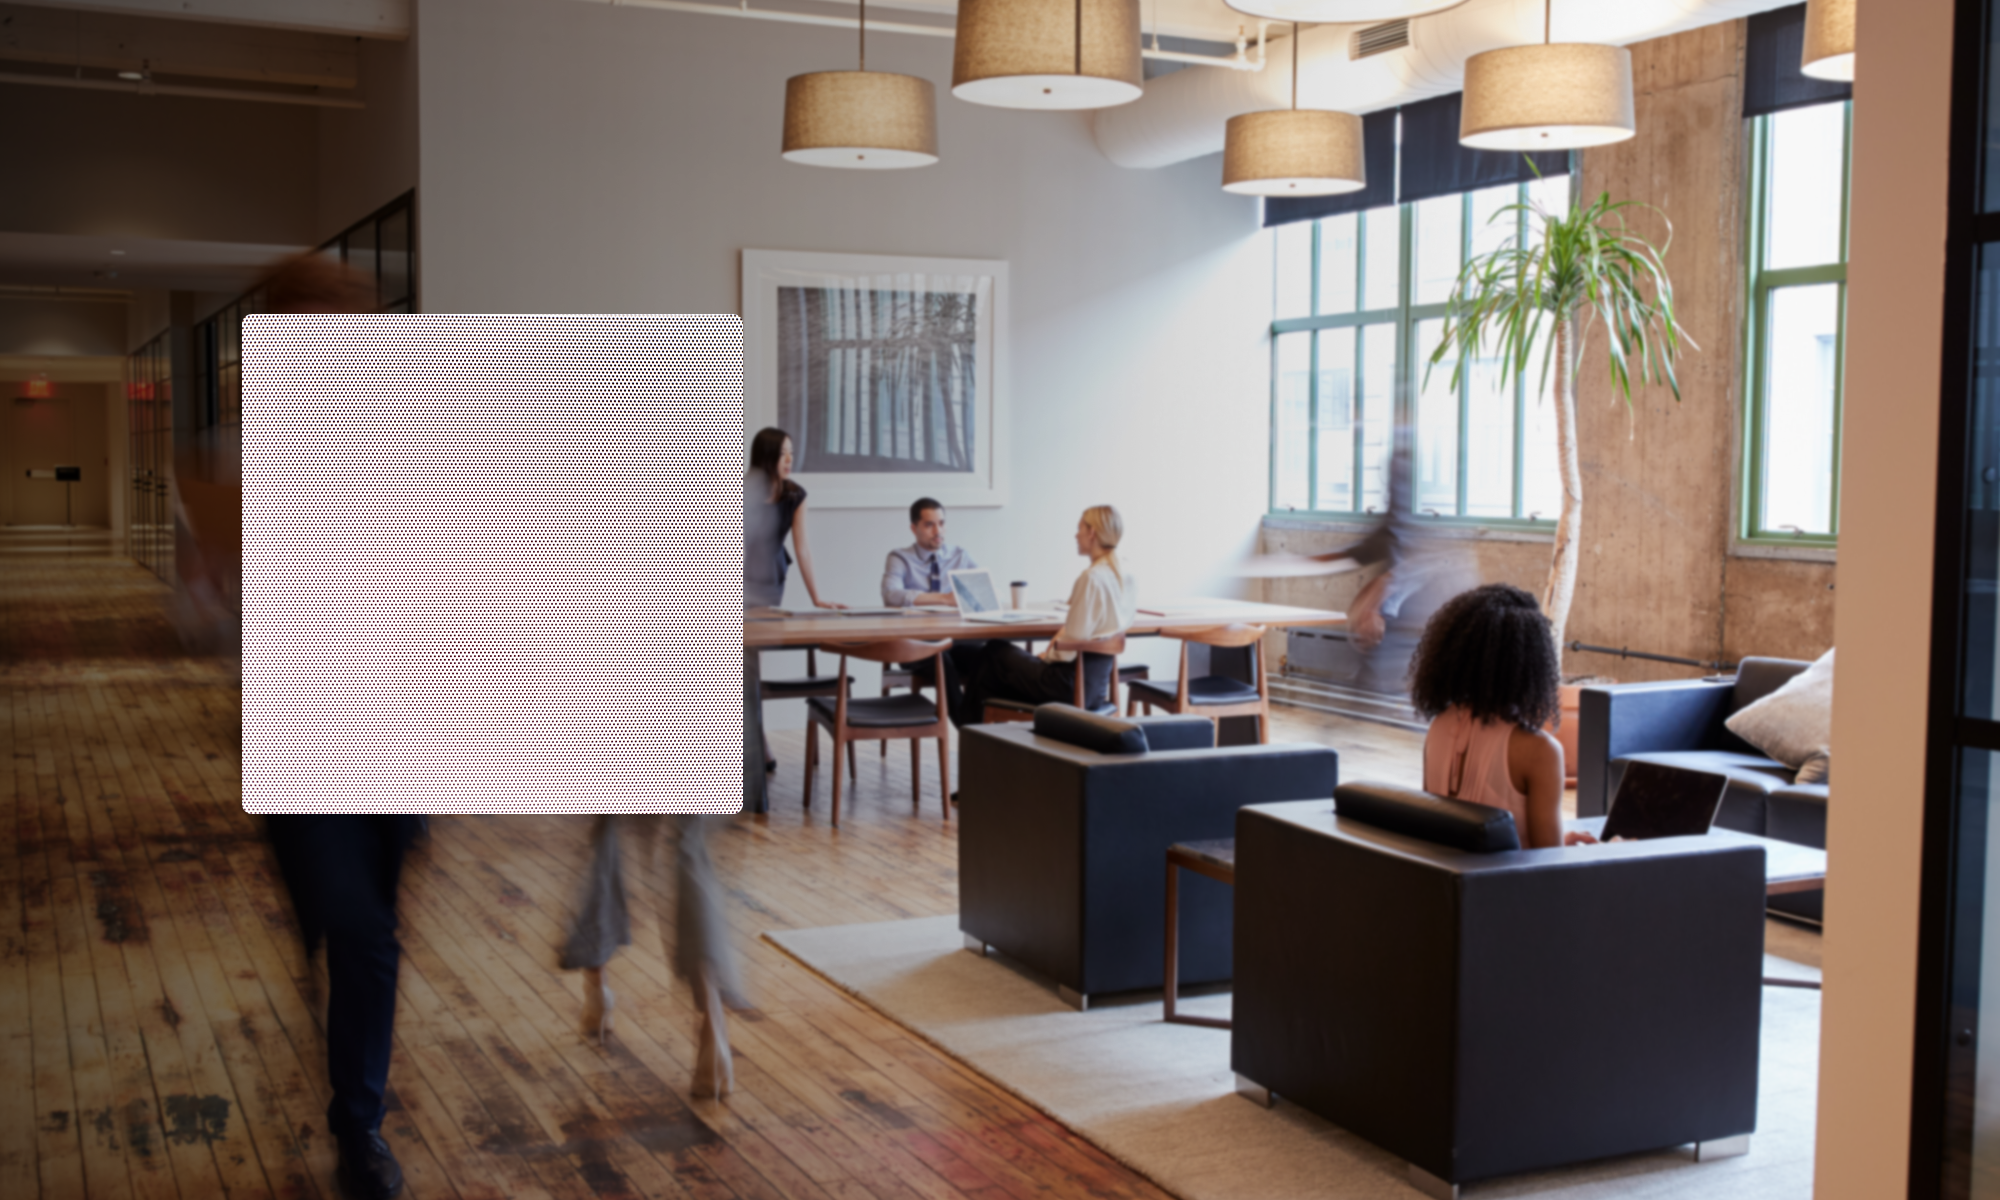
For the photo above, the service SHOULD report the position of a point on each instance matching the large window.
(1797, 259)
(1361, 304)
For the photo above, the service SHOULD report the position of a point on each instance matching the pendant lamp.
(863, 119)
(1047, 53)
(1554, 96)
(1293, 152)
(1829, 49)
(1341, 12)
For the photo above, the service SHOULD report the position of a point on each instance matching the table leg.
(1170, 990)
(755, 798)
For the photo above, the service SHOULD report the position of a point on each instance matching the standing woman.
(1100, 604)
(765, 562)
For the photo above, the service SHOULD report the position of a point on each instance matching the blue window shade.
(1378, 154)
(1772, 81)
(1434, 164)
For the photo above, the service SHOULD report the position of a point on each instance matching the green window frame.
(1347, 429)
(1775, 446)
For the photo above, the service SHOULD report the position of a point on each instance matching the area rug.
(1161, 1098)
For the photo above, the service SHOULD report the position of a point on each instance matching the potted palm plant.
(1587, 267)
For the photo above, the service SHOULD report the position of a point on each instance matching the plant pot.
(1568, 723)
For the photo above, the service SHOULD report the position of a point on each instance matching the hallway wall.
(72, 429)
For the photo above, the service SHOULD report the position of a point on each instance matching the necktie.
(937, 583)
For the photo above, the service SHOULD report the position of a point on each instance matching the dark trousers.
(342, 871)
(1004, 671)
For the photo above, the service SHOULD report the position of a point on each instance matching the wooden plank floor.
(160, 1040)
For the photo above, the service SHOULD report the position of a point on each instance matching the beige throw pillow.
(1795, 723)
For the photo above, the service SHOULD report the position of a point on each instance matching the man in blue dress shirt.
(921, 574)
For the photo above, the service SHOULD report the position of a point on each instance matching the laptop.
(1655, 801)
(979, 600)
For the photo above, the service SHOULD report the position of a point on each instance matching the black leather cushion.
(809, 685)
(1209, 689)
(1456, 823)
(1130, 671)
(1178, 733)
(886, 712)
(1073, 726)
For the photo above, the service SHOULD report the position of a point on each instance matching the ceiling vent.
(1378, 39)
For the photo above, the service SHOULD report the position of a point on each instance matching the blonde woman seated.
(1099, 605)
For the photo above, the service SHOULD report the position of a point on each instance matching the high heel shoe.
(714, 1065)
(598, 1003)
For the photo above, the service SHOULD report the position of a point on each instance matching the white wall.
(368, 157)
(99, 163)
(1888, 510)
(579, 158)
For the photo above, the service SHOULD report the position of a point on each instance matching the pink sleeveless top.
(1467, 760)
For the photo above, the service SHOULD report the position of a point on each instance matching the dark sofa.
(1486, 1013)
(1063, 835)
(1681, 723)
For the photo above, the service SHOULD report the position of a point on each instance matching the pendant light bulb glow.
(864, 120)
(1552, 96)
(1829, 40)
(1341, 12)
(1049, 54)
(1294, 151)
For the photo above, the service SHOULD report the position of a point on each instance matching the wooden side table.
(1217, 860)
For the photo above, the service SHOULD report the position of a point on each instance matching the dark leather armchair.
(1680, 723)
(1486, 1013)
(1063, 835)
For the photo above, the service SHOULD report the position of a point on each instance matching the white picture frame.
(823, 330)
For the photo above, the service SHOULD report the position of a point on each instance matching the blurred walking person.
(698, 948)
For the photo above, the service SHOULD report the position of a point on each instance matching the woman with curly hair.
(1486, 674)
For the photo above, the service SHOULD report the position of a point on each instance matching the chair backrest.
(1227, 637)
(1111, 647)
(894, 650)
(1459, 824)
(1757, 678)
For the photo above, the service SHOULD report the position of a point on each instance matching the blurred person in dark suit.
(341, 869)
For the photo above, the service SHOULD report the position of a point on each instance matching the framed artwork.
(890, 373)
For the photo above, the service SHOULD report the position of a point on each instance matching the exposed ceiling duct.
(1182, 115)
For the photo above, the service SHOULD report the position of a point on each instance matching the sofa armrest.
(1635, 718)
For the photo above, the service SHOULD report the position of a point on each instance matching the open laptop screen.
(1655, 800)
(975, 591)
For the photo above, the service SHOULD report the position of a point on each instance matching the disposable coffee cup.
(1020, 590)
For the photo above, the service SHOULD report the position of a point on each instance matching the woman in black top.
(765, 563)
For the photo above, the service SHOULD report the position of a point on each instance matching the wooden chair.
(1211, 696)
(895, 676)
(914, 717)
(1001, 711)
(811, 685)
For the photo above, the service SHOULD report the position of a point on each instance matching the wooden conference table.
(775, 629)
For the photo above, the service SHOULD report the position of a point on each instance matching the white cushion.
(1795, 723)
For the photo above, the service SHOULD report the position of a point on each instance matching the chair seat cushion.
(1130, 671)
(886, 712)
(1209, 689)
(809, 685)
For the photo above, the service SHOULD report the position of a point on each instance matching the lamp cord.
(1079, 37)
